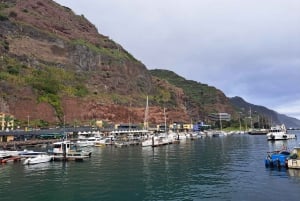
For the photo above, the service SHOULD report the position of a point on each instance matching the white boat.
(192, 135)
(154, 141)
(181, 136)
(148, 142)
(121, 144)
(41, 158)
(67, 150)
(162, 138)
(110, 140)
(88, 142)
(30, 153)
(5, 153)
(279, 133)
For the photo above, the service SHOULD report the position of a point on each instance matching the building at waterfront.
(222, 116)
(6, 121)
(201, 126)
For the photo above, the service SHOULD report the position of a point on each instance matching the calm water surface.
(225, 168)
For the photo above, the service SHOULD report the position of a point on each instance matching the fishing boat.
(279, 133)
(277, 159)
(67, 150)
(41, 158)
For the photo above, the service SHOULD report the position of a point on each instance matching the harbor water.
(211, 168)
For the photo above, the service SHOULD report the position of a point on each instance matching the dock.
(13, 145)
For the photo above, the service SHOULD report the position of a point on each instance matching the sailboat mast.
(251, 122)
(146, 115)
(165, 120)
(220, 121)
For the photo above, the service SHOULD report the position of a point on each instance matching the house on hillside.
(6, 121)
(222, 116)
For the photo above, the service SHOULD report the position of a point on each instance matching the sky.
(246, 48)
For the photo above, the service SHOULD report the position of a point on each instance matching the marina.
(211, 168)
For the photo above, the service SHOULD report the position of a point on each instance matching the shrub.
(13, 14)
(3, 17)
(13, 70)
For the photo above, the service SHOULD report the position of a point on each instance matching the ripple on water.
(229, 168)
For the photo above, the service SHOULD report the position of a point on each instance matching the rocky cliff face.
(47, 50)
(55, 67)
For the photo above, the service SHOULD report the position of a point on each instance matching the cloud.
(290, 108)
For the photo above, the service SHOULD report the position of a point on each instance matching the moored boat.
(66, 150)
(277, 159)
(279, 133)
(260, 131)
(30, 153)
(9, 158)
(41, 158)
(88, 142)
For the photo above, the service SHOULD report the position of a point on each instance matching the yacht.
(88, 142)
(279, 132)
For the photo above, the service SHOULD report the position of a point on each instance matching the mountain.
(200, 99)
(263, 115)
(55, 67)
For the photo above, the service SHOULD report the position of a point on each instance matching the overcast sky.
(248, 48)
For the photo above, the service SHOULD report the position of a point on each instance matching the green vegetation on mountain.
(50, 83)
(55, 64)
(197, 92)
(200, 99)
(115, 53)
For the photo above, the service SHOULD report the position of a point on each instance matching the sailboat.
(149, 140)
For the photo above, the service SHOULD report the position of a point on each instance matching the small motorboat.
(30, 153)
(277, 159)
(41, 158)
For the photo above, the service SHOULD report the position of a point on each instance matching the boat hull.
(277, 159)
(293, 163)
(38, 159)
(280, 136)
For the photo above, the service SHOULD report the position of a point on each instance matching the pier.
(13, 145)
(18, 138)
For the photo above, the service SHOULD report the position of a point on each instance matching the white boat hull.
(280, 136)
(43, 158)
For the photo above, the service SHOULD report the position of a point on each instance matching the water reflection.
(280, 144)
(294, 172)
(37, 168)
(228, 168)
